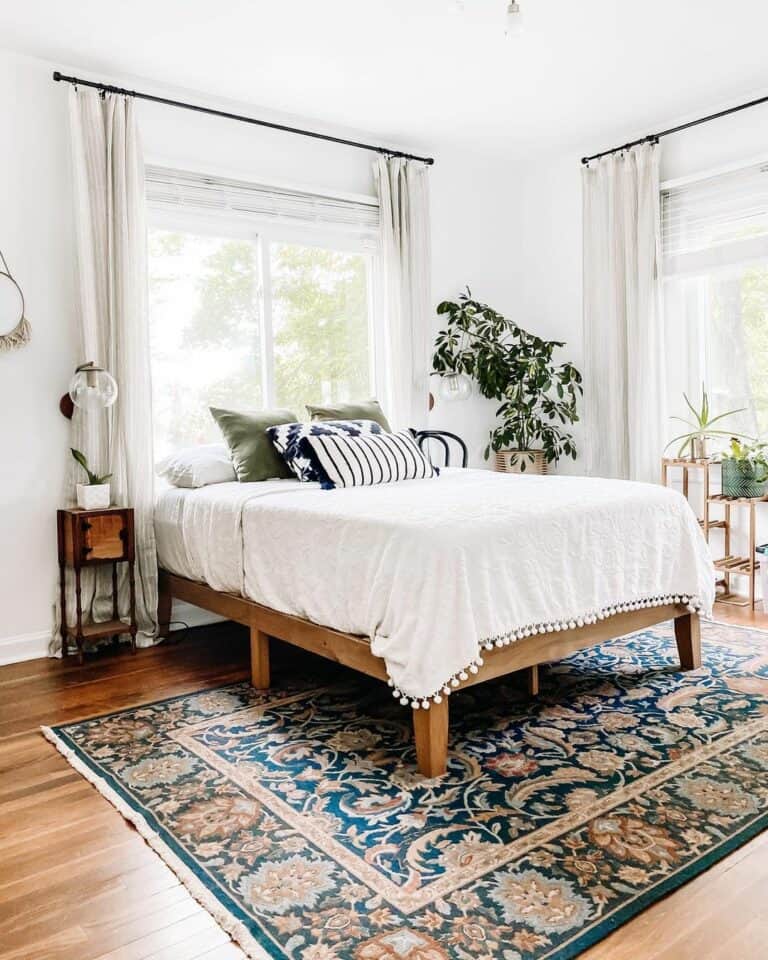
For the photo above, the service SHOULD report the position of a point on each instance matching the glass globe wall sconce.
(91, 388)
(455, 386)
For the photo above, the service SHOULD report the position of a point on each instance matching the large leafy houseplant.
(538, 396)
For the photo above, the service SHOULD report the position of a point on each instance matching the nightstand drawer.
(104, 537)
(97, 536)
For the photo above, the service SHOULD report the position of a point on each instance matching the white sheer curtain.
(715, 249)
(110, 229)
(407, 303)
(624, 368)
(715, 338)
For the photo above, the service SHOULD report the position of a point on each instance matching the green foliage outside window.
(320, 319)
(205, 313)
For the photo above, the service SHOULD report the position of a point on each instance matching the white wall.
(36, 239)
(472, 227)
(471, 236)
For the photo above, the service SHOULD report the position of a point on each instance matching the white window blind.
(197, 193)
(715, 222)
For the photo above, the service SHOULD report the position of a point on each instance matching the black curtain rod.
(108, 88)
(655, 137)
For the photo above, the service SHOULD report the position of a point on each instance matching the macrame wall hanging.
(22, 331)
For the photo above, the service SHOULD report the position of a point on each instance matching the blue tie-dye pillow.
(289, 439)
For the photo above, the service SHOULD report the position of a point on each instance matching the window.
(715, 246)
(320, 306)
(271, 305)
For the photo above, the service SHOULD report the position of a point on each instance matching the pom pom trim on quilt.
(693, 605)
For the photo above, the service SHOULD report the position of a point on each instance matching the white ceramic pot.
(92, 496)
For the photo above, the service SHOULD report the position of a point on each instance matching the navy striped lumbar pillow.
(290, 441)
(370, 458)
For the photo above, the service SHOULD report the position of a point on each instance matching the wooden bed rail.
(430, 726)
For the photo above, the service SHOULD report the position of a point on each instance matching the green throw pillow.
(363, 410)
(253, 455)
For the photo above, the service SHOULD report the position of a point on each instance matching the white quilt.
(434, 570)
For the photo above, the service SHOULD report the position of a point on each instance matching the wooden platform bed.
(430, 726)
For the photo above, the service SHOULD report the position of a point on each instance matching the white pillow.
(197, 466)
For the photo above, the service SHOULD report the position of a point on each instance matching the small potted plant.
(694, 442)
(538, 396)
(745, 469)
(95, 493)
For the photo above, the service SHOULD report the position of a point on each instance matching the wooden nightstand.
(88, 538)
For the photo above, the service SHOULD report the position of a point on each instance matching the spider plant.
(702, 428)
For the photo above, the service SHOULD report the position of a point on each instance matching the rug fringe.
(235, 928)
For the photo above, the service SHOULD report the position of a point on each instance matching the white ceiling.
(421, 71)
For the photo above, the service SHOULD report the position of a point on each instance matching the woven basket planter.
(533, 459)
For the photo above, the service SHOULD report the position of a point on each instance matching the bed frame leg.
(259, 658)
(531, 677)
(430, 728)
(164, 604)
(688, 637)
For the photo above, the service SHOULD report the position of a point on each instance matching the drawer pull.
(85, 526)
(86, 550)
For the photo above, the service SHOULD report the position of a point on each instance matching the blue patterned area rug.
(298, 820)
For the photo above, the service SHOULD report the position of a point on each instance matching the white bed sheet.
(433, 570)
(199, 532)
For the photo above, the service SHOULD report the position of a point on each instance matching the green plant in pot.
(95, 493)
(694, 442)
(538, 396)
(745, 469)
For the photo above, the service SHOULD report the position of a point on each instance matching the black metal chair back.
(424, 439)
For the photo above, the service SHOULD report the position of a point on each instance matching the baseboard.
(31, 646)
(24, 646)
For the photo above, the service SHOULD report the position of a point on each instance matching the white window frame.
(262, 234)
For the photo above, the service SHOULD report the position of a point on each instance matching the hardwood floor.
(78, 883)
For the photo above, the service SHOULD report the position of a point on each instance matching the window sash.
(718, 257)
(262, 214)
(716, 221)
(278, 210)
(241, 228)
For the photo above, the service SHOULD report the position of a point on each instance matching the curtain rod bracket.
(104, 88)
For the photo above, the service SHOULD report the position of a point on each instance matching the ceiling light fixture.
(513, 18)
(514, 23)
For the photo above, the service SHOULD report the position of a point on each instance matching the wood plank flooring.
(78, 883)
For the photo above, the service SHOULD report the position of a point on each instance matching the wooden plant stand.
(729, 564)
